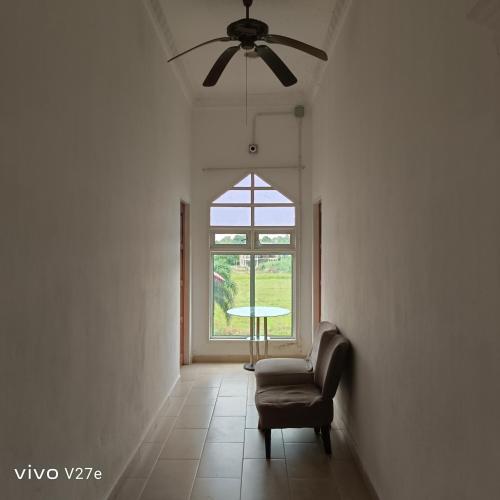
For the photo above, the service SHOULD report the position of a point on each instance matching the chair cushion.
(292, 406)
(283, 371)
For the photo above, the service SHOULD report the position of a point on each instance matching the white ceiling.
(190, 22)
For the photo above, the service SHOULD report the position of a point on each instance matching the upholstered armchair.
(308, 403)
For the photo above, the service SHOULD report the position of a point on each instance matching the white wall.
(220, 139)
(407, 163)
(94, 158)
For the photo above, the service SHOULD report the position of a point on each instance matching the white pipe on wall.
(299, 167)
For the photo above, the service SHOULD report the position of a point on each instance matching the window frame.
(293, 312)
(253, 246)
(252, 240)
(228, 246)
(258, 245)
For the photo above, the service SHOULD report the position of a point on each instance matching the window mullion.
(252, 291)
(252, 198)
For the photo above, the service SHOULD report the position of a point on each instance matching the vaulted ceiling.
(185, 23)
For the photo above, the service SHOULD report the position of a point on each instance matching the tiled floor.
(205, 445)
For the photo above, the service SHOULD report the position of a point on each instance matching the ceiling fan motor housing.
(247, 32)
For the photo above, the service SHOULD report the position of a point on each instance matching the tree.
(225, 288)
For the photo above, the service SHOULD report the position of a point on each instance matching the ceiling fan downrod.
(247, 4)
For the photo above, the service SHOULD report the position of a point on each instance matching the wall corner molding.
(339, 14)
(354, 448)
(162, 29)
(154, 423)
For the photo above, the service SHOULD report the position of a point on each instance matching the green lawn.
(271, 289)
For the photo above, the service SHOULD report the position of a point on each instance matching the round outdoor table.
(257, 312)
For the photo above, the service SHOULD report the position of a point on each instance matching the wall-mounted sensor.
(298, 111)
(253, 148)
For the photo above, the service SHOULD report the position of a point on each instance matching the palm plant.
(225, 288)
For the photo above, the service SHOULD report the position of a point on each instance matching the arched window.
(252, 257)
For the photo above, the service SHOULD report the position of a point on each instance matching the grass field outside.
(272, 288)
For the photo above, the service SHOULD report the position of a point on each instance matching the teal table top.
(258, 312)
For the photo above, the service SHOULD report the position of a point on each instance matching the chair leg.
(317, 430)
(267, 438)
(325, 434)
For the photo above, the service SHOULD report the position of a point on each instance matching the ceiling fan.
(247, 31)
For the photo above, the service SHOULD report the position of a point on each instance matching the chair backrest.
(323, 326)
(332, 355)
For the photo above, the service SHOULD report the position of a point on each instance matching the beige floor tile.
(305, 435)
(202, 396)
(252, 419)
(221, 460)
(240, 376)
(194, 417)
(160, 430)
(212, 368)
(227, 430)
(208, 380)
(264, 480)
(230, 407)
(233, 389)
(218, 488)
(190, 367)
(313, 489)
(307, 460)
(144, 460)
(184, 444)
(251, 396)
(233, 369)
(189, 374)
(201, 366)
(131, 489)
(340, 445)
(182, 388)
(171, 480)
(255, 445)
(229, 455)
(172, 406)
(350, 481)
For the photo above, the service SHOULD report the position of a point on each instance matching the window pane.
(230, 216)
(234, 196)
(273, 288)
(258, 182)
(230, 288)
(270, 196)
(230, 239)
(246, 182)
(274, 216)
(274, 239)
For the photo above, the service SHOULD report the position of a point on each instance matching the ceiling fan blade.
(220, 64)
(296, 44)
(220, 39)
(278, 67)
